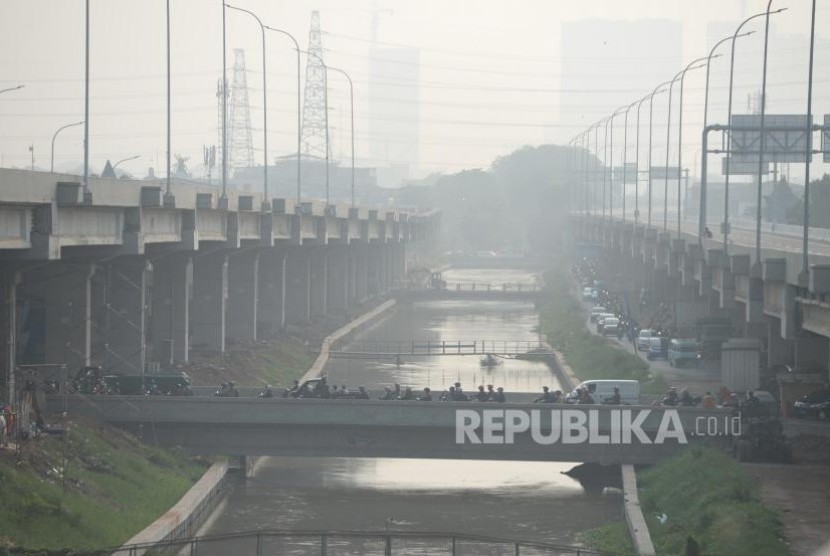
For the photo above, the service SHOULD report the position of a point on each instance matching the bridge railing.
(443, 347)
(506, 287)
(363, 543)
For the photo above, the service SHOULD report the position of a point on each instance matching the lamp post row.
(695, 64)
(169, 199)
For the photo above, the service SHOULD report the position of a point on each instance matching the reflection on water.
(521, 500)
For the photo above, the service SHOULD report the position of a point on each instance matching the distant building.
(394, 129)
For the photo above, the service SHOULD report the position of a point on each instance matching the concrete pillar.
(67, 298)
(271, 313)
(811, 348)
(338, 279)
(375, 279)
(125, 334)
(362, 260)
(298, 286)
(319, 282)
(351, 269)
(779, 350)
(208, 314)
(9, 279)
(170, 323)
(243, 296)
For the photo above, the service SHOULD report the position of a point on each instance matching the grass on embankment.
(275, 361)
(590, 356)
(707, 496)
(114, 488)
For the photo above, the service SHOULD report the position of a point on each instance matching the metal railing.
(486, 287)
(442, 347)
(350, 543)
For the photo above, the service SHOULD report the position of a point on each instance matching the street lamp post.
(87, 192)
(657, 89)
(705, 164)
(299, 109)
(169, 199)
(52, 167)
(725, 226)
(223, 201)
(637, 164)
(757, 267)
(11, 89)
(689, 67)
(805, 254)
(625, 156)
(351, 101)
(266, 204)
(114, 166)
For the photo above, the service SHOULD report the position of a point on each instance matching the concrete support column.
(67, 297)
(170, 324)
(208, 315)
(810, 348)
(9, 278)
(243, 296)
(374, 261)
(271, 312)
(339, 285)
(779, 350)
(351, 269)
(125, 334)
(298, 286)
(319, 282)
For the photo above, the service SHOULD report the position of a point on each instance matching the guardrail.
(486, 287)
(445, 347)
(364, 543)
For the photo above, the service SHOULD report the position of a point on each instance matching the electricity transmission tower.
(313, 133)
(240, 142)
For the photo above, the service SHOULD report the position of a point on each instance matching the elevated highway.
(127, 275)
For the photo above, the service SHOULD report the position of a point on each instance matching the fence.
(350, 543)
(442, 347)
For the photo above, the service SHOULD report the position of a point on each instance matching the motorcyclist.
(671, 398)
(482, 395)
(407, 394)
(388, 394)
(266, 392)
(426, 396)
(232, 391)
(491, 392)
(585, 397)
(614, 399)
(546, 397)
(499, 397)
(686, 399)
(361, 394)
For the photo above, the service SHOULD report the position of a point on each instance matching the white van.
(602, 390)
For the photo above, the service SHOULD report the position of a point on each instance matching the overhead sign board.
(785, 137)
(630, 173)
(743, 167)
(661, 172)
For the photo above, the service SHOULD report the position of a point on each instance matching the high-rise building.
(394, 78)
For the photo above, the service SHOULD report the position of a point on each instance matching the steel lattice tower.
(313, 134)
(240, 141)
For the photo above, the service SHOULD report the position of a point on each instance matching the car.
(601, 321)
(643, 339)
(587, 294)
(602, 390)
(658, 348)
(815, 405)
(682, 352)
(596, 312)
(610, 326)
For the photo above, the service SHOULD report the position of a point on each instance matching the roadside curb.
(316, 369)
(186, 516)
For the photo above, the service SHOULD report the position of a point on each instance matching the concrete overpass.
(768, 298)
(127, 276)
(371, 428)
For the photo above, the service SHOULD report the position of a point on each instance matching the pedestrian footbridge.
(399, 429)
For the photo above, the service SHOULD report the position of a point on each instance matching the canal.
(522, 500)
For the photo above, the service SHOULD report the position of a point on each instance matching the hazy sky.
(490, 72)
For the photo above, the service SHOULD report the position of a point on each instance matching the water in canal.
(519, 500)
